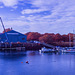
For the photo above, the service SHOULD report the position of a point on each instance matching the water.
(39, 64)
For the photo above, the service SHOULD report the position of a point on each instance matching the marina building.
(12, 36)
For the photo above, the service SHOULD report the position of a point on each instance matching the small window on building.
(23, 38)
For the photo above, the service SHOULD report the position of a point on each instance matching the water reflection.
(39, 64)
(33, 53)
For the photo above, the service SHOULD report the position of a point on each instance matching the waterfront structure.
(74, 38)
(13, 36)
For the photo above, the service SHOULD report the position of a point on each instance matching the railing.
(48, 45)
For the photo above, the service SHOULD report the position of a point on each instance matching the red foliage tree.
(57, 37)
(65, 38)
(49, 37)
(46, 39)
(8, 29)
(33, 36)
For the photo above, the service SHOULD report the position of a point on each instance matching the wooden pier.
(13, 49)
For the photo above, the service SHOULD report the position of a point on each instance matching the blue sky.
(43, 16)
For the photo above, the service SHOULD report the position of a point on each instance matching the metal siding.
(3, 38)
(21, 38)
(14, 37)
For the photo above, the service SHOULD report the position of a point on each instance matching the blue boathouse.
(13, 36)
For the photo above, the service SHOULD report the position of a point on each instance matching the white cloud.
(44, 3)
(9, 3)
(41, 5)
(30, 11)
(61, 19)
(15, 7)
(1, 7)
(41, 24)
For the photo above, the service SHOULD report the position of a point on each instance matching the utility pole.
(74, 38)
(69, 40)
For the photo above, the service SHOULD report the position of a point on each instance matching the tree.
(65, 38)
(8, 29)
(46, 39)
(58, 37)
(33, 36)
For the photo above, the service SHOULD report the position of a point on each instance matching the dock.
(13, 49)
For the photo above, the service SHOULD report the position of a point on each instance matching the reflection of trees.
(32, 54)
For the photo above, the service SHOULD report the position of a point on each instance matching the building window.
(23, 38)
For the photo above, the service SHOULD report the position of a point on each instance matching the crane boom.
(4, 29)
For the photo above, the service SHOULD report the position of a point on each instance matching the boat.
(69, 50)
(46, 50)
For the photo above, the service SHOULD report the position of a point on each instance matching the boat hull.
(48, 51)
(69, 51)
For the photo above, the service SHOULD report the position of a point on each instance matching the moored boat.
(69, 50)
(45, 50)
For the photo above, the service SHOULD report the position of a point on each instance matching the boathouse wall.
(13, 36)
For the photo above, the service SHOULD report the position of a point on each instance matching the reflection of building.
(13, 36)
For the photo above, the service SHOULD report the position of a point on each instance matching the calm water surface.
(39, 64)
